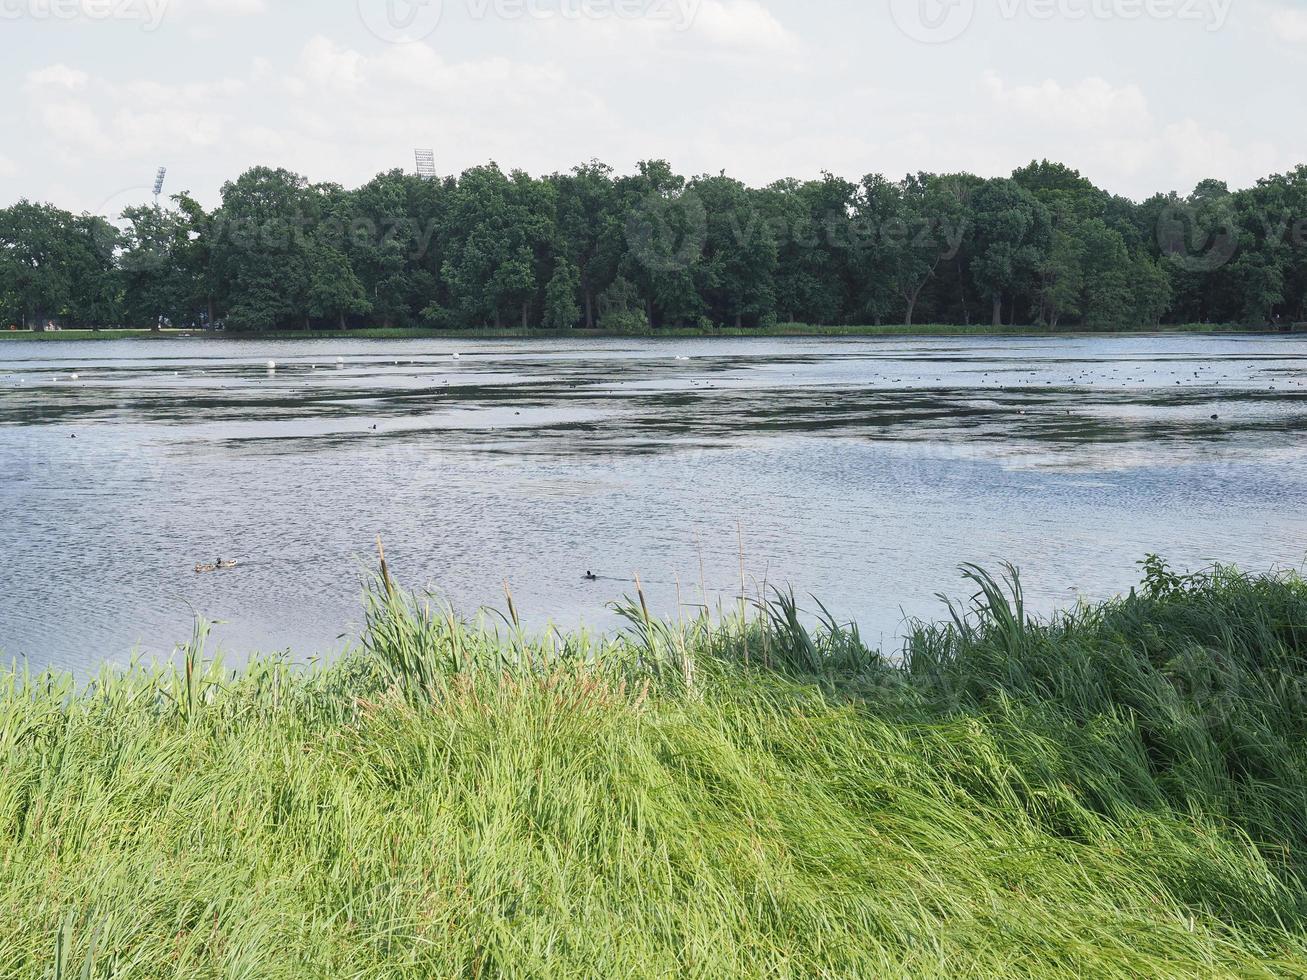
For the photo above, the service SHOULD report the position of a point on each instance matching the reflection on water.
(861, 471)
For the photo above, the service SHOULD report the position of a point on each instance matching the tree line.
(653, 249)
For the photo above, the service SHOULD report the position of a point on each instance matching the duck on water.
(221, 565)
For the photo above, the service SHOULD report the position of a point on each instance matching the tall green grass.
(1118, 792)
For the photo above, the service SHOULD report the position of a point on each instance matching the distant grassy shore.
(781, 330)
(1118, 792)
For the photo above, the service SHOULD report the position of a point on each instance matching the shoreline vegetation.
(655, 250)
(795, 330)
(1117, 791)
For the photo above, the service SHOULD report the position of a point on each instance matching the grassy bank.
(33, 336)
(780, 330)
(1119, 792)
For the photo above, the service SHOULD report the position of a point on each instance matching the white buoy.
(272, 365)
(457, 356)
(74, 377)
(340, 360)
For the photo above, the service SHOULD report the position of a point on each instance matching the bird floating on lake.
(221, 565)
(591, 577)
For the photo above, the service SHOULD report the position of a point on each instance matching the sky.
(1139, 95)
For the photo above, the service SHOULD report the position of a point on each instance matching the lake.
(859, 471)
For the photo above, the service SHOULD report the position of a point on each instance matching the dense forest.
(653, 249)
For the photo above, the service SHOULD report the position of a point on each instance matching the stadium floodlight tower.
(426, 160)
(158, 183)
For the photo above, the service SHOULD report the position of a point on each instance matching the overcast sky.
(1140, 95)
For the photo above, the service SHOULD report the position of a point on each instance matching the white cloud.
(404, 95)
(1091, 104)
(1112, 133)
(741, 24)
(699, 31)
(81, 114)
(58, 76)
(324, 64)
(762, 88)
(1194, 151)
(1290, 25)
(78, 128)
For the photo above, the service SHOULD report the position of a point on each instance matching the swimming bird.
(591, 577)
(221, 565)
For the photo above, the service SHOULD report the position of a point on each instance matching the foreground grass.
(1119, 792)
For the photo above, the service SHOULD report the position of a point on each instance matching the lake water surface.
(860, 471)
